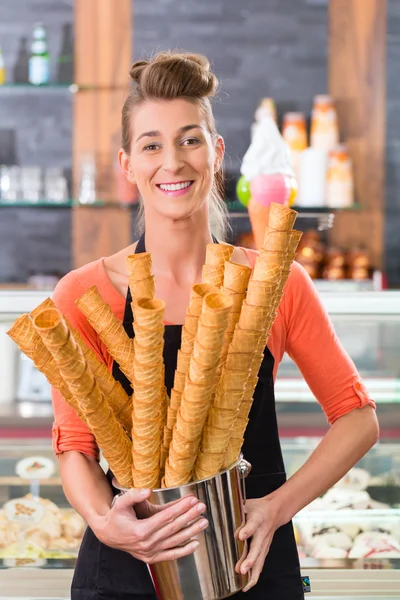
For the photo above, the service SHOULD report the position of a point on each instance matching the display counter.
(349, 541)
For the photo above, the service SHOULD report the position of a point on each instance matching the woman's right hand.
(167, 534)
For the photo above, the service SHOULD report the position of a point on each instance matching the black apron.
(103, 573)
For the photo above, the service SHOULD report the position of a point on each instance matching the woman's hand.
(262, 520)
(166, 533)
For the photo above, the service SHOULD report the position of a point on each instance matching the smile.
(175, 189)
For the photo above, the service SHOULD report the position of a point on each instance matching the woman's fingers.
(179, 523)
(172, 519)
(174, 553)
(243, 556)
(184, 535)
(255, 574)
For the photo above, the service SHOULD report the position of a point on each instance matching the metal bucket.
(209, 573)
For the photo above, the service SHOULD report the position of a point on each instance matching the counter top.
(26, 415)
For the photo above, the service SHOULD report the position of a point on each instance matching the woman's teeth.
(172, 187)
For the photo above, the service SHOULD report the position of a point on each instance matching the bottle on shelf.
(2, 69)
(21, 67)
(340, 189)
(65, 66)
(39, 61)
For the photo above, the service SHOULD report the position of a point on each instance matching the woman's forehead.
(166, 116)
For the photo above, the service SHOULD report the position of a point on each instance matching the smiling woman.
(172, 151)
(190, 155)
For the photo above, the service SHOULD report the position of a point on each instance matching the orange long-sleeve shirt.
(302, 328)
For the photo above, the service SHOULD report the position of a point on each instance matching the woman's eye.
(151, 147)
(191, 141)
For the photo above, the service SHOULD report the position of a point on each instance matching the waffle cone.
(294, 241)
(260, 293)
(208, 357)
(199, 374)
(281, 217)
(30, 343)
(253, 317)
(149, 313)
(233, 319)
(233, 380)
(232, 453)
(271, 257)
(191, 324)
(239, 361)
(196, 393)
(190, 430)
(215, 440)
(216, 308)
(208, 465)
(109, 328)
(193, 411)
(221, 418)
(145, 288)
(139, 263)
(237, 299)
(109, 434)
(179, 381)
(176, 398)
(149, 394)
(277, 241)
(259, 216)
(245, 340)
(209, 336)
(199, 290)
(218, 254)
(147, 337)
(183, 363)
(264, 271)
(182, 445)
(47, 303)
(187, 341)
(239, 427)
(173, 478)
(118, 399)
(148, 374)
(212, 275)
(149, 480)
(146, 355)
(236, 277)
(171, 418)
(227, 399)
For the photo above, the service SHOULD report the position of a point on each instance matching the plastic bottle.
(39, 62)
(2, 69)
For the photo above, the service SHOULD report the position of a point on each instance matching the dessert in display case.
(349, 540)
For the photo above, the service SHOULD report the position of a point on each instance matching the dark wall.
(34, 240)
(258, 48)
(392, 224)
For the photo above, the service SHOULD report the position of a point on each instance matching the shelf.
(39, 204)
(73, 88)
(351, 515)
(66, 204)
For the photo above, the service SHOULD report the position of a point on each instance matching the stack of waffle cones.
(197, 393)
(213, 269)
(200, 430)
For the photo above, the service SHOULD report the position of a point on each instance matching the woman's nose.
(172, 160)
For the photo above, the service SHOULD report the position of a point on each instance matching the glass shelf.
(71, 87)
(66, 204)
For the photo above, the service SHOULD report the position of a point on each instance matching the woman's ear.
(125, 166)
(219, 153)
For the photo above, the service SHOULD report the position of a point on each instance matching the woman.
(172, 151)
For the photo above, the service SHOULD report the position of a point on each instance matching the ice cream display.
(148, 438)
(267, 167)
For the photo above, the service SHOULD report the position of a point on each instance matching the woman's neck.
(178, 249)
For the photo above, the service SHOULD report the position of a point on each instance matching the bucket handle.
(244, 469)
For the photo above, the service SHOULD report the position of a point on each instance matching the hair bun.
(137, 70)
(175, 74)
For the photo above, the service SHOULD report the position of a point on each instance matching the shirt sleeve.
(312, 343)
(69, 432)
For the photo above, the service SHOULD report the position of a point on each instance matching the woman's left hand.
(262, 520)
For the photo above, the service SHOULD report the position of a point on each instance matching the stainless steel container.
(209, 573)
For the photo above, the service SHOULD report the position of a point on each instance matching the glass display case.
(349, 540)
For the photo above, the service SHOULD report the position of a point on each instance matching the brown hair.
(171, 75)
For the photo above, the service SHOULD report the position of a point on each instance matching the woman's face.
(173, 158)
